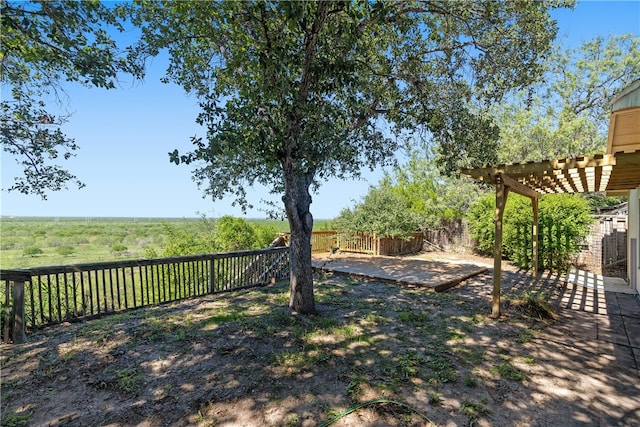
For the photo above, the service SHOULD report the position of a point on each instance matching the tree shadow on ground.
(587, 359)
(242, 359)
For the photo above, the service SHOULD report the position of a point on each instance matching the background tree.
(414, 196)
(224, 234)
(567, 113)
(435, 198)
(45, 43)
(382, 211)
(293, 93)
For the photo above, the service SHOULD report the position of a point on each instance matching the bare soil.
(242, 359)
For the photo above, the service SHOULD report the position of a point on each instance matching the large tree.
(567, 113)
(43, 45)
(293, 93)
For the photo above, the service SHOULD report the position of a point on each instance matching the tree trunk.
(297, 202)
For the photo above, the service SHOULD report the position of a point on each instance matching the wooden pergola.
(616, 172)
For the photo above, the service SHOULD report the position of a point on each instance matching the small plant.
(470, 381)
(129, 380)
(17, 420)
(354, 388)
(413, 317)
(534, 304)
(440, 370)
(526, 336)
(32, 251)
(292, 420)
(435, 398)
(150, 252)
(474, 410)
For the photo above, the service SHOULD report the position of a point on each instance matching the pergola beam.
(518, 188)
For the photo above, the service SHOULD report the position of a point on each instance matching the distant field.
(38, 241)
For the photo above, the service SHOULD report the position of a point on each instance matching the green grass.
(507, 371)
(473, 409)
(38, 241)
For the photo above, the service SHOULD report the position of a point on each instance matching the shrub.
(383, 211)
(118, 248)
(564, 221)
(32, 251)
(234, 234)
(480, 218)
(223, 235)
(65, 250)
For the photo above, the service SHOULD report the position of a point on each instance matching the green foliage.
(222, 235)
(129, 379)
(563, 220)
(92, 238)
(65, 250)
(382, 211)
(507, 371)
(567, 113)
(473, 410)
(415, 196)
(307, 82)
(435, 199)
(118, 248)
(187, 242)
(599, 201)
(32, 251)
(481, 220)
(535, 305)
(44, 43)
(239, 234)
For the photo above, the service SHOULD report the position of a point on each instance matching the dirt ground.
(242, 359)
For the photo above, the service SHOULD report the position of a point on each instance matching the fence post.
(18, 312)
(211, 272)
(6, 315)
(376, 244)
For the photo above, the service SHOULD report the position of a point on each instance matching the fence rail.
(364, 243)
(372, 244)
(39, 296)
(321, 241)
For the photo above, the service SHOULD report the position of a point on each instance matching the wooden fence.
(364, 243)
(40, 296)
(453, 236)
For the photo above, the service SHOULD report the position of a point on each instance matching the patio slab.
(435, 275)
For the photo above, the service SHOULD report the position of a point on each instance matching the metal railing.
(36, 297)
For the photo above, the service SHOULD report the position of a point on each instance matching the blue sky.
(125, 134)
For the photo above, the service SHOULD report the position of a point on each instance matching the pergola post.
(502, 192)
(534, 237)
